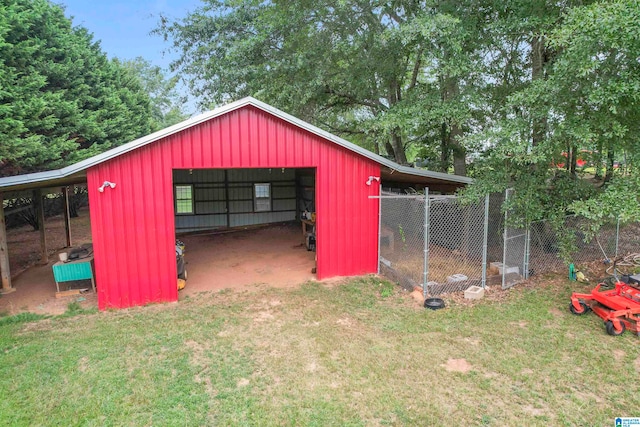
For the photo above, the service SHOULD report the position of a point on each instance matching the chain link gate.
(457, 244)
(402, 238)
(514, 260)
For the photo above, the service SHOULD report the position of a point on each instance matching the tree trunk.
(459, 153)
(398, 147)
(451, 92)
(444, 148)
(610, 155)
(574, 160)
(538, 63)
(597, 160)
(389, 149)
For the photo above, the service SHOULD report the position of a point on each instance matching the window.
(184, 199)
(262, 197)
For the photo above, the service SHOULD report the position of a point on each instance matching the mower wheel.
(584, 308)
(611, 328)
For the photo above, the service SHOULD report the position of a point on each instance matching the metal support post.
(484, 241)
(425, 267)
(527, 251)
(617, 237)
(504, 235)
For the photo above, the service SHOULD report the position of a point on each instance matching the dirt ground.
(271, 256)
(274, 255)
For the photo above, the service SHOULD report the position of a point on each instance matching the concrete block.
(502, 269)
(454, 278)
(474, 292)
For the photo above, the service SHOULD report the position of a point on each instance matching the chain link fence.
(402, 238)
(440, 244)
(613, 239)
(437, 243)
(514, 265)
(457, 245)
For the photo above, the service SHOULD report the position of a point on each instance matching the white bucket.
(63, 256)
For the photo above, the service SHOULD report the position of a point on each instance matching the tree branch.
(352, 100)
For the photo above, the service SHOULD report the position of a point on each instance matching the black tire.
(434, 303)
(585, 309)
(183, 275)
(611, 330)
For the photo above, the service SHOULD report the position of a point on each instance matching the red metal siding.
(133, 224)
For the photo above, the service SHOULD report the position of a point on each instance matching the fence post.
(617, 237)
(527, 252)
(504, 235)
(425, 267)
(484, 241)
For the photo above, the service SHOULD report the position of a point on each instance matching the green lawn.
(350, 354)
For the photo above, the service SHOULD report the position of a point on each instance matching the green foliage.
(619, 199)
(61, 99)
(386, 288)
(166, 102)
(585, 98)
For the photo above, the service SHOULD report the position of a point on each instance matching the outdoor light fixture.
(106, 184)
(373, 178)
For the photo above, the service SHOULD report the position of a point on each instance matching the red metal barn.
(134, 222)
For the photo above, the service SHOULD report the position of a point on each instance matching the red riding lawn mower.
(618, 307)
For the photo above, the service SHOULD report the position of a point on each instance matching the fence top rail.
(398, 196)
(388, 195)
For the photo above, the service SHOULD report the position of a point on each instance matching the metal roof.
(77, 171)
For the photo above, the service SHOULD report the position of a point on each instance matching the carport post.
(67, 219)
(39, 205)
(4, 253)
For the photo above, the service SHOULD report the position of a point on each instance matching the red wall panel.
(133, 224)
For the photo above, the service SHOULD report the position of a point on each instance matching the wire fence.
(441, 244)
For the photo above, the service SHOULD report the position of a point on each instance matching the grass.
(359, 353)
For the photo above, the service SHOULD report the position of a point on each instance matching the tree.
(588, 99)
(166, 103)
(394, 77)
(61, 99)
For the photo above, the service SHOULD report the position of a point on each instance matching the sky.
(123, 27)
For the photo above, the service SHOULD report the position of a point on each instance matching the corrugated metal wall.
(224, 197)
(133, 224)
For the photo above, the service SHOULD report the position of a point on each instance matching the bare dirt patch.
(556, 312)
(619, 355)
(34, 283)
(457, 365)
(240, 260)
(536, 412)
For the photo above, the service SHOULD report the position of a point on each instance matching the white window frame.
(177, 189)
(259, 200)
